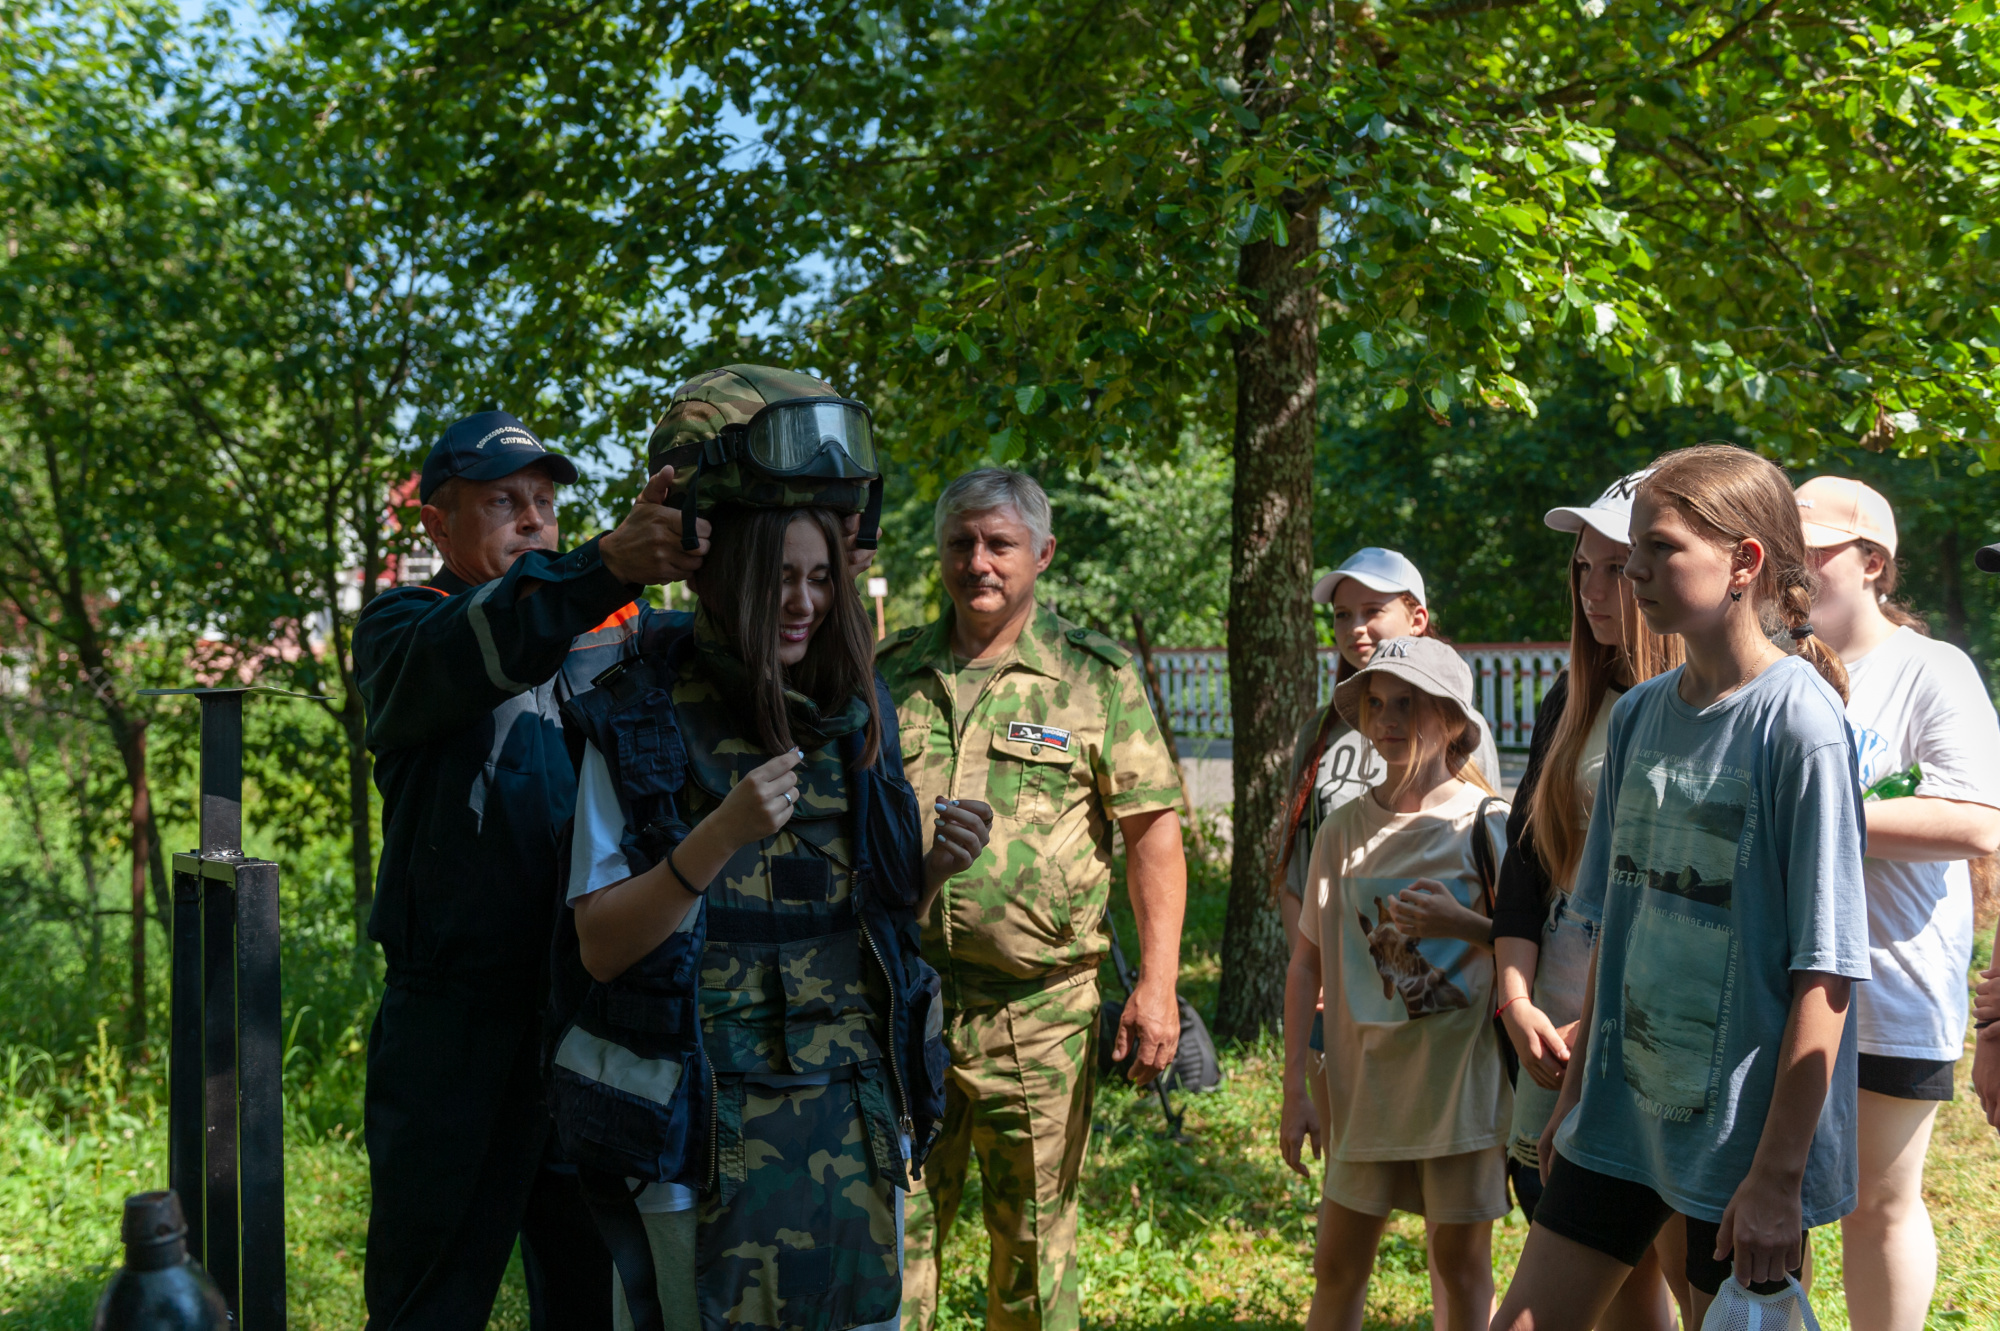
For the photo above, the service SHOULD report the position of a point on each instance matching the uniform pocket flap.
(1033, 742)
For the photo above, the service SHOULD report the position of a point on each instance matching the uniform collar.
(448, 582)
(1039, 648)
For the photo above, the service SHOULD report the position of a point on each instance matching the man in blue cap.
(463, 678)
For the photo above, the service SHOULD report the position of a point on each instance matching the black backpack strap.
(690, 532)
(1485, 858)
(615, 1209)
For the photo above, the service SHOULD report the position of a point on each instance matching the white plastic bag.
(1737, 1309)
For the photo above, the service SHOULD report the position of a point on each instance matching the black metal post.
(184, 1091)
(218, 1072)
(222, 773)
(260, 1069)
(225, 1132)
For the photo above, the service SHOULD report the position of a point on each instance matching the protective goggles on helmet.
(794, 437)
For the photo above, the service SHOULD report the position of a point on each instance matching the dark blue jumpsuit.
(463, 686)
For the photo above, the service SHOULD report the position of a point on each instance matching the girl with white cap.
(1917, 707)
(1542, 948)
(1374, 595)
(1418, 1103)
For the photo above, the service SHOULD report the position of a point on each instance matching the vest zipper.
(895, 1073)
(714, 1127)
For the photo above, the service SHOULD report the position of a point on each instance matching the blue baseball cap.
(484, 447)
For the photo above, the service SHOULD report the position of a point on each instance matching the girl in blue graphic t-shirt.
(1712, 1074)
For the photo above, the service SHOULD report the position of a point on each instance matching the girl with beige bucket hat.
(1394, 928)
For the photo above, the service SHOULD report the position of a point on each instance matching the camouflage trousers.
(1018, 1100)
(671, 1236)
(804, 1231)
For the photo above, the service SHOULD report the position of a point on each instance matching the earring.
(1736, 596)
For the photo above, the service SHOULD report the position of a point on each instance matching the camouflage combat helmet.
(768, 438)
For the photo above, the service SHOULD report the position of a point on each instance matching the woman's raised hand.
(963, 827)
(762, 802)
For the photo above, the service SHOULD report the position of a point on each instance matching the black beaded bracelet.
(675, 870)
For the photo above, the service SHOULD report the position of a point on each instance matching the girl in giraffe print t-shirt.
(1394, 925)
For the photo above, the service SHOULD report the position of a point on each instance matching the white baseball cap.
(1376, 569)
(1834, 510)
(1610, 515)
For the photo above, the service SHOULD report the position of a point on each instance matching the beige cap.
(1835, 510)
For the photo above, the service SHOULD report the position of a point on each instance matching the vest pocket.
(651, 758)
(618, 1112)
(830, 1009)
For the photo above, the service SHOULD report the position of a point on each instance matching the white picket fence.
(1509, 677)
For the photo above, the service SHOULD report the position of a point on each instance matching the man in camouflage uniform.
(1000, 700)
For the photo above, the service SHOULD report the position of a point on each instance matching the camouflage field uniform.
(801, 1229)
(1061, 743)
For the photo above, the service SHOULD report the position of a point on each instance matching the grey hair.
(989, 488)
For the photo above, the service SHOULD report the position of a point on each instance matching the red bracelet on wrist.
(1517, 998)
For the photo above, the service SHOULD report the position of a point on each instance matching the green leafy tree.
(111, 231)
(1052, 232)
(1198, 212)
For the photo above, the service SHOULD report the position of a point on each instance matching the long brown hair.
(1894, 609)
(741, 586)
(1593, 667)
(1729, 495)
(1430, 722)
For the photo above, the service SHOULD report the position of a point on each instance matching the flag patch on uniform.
(1026, 732)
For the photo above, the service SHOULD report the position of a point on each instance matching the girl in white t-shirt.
(1911, 701)
(1394, 928)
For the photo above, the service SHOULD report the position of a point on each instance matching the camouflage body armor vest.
(785, 1043)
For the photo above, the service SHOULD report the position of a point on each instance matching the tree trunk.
(142, 854)
(128, 735)
(86, 854)
(1271, 683)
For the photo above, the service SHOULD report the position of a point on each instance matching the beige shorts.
(1461, 1189)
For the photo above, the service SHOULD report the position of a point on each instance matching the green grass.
(1210, 1232)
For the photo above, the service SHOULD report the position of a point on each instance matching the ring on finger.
(791, 797)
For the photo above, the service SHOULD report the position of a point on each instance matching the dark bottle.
(160, 1289)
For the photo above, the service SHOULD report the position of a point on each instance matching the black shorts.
(1904, 1078)
(1621, 1219)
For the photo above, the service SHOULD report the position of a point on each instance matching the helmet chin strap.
(870, 534)
(690, 538)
